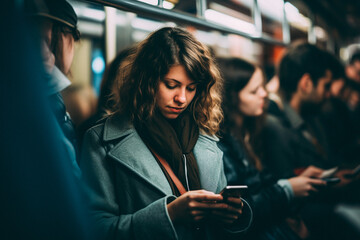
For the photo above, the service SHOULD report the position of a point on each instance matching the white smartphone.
(328, 173)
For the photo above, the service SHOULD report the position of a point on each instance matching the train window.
(89, 63)
(272, 15)
(235, 16)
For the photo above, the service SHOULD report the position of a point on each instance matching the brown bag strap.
(174, 178)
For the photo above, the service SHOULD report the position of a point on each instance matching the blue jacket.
(127, 189)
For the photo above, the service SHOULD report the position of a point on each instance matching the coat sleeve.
(149, 222)
(278, 155)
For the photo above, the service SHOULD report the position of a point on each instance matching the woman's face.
(175, 93)
(252, 96)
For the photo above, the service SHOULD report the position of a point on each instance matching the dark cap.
(58, 10)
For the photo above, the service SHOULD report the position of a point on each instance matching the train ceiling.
(341, 16)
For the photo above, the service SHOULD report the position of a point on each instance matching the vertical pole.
(110, 33)
(311, 30)
(256, 15)
(200, 8)
(285, 27)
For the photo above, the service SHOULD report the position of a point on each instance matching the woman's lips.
(176, 109)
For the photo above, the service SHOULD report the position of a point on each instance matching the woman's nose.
(180, 97)
(263, 92)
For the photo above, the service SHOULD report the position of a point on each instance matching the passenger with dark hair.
(272, 200)
(353, 68)
(153, 169)
(336, 116)
(56, 22)
(294, 139)
(40, 195)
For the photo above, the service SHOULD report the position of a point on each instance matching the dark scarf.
(172, 140)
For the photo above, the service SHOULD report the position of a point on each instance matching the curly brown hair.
(162, 49)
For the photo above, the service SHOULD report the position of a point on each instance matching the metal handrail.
(180, 17)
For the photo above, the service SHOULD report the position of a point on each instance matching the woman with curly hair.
(153, 168)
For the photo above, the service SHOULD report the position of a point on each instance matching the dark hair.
(355, 57)
(301, 58)
(336, 67)
(155, 55)
(112, 72)
(237, 74)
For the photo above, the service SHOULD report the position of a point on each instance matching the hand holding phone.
(233, 191)
(331, 181)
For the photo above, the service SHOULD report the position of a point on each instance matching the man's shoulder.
(272, 121)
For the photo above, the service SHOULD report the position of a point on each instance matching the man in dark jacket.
(295, 139)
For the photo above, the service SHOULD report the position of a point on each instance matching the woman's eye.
(170, 86)
(254, 91)
(191, 89)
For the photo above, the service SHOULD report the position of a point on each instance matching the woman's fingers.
(234, 201)
(315, 181)
(194, 206)
(227, 215)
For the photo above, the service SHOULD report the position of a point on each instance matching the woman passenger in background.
(272, 200)
(153, 168)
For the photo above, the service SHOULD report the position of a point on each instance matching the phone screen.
(233, 191)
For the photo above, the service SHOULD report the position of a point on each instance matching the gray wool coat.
(127, 190)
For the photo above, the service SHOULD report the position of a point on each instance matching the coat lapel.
(131, 152)
(207, 155)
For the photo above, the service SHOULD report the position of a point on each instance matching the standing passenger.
(153, 167)
(56, 22)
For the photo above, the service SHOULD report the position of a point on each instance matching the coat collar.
(132, 153)
(117, 126)
(294, 118)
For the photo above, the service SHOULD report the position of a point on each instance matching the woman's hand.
(312, 171)
(303, 186)
(230, 212)
(344, 174)
(193, 206)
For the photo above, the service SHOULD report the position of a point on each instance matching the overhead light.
(166, 4)
(272, 9)
(151, 2)
(230, 22)
(320, 33)
(94, 14)
(86, 12)
(146, 24)
(295, 18)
